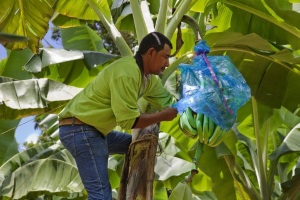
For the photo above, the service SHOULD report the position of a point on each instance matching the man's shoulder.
(126, 59)
(124, 65)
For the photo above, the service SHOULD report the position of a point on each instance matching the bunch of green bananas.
(196, 125)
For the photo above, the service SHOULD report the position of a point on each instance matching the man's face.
(160, 60)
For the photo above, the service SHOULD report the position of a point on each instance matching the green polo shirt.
(111, 98)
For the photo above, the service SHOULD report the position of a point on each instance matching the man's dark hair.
(155, 40)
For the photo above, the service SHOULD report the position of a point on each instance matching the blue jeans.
(90, 150)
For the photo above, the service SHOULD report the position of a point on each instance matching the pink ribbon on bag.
(216, 81)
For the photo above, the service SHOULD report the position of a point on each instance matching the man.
(86, 124)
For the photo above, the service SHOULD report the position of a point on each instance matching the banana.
(220, 139)
(199, 120)
(205, 129)
(190, 115)
(182, 125)
(211, 127)
(214, 136)
(186, 127)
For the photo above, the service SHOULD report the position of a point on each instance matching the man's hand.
(169, 113)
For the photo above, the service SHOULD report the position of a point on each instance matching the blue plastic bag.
(212, 86)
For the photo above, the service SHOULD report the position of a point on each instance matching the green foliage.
(8, 144)
(258, 158)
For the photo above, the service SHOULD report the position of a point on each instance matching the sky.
(25, 130)
(2, 52)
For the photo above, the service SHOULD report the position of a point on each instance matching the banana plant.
(30, 19)
(259, 57)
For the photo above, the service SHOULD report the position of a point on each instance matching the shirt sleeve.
(124, 98)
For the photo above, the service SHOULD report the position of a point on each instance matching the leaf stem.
(261, 175)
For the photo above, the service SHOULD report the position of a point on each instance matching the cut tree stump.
(138, 169)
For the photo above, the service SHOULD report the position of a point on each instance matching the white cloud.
(32, 138)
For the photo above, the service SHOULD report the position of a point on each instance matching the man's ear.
(150, 51)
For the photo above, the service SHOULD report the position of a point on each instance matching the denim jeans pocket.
(92, 142)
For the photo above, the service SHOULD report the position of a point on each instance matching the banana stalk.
(196, 160)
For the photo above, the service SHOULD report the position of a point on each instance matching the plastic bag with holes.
(213, 86)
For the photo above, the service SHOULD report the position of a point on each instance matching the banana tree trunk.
(138, 170)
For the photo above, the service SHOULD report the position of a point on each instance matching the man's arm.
(145, 119)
